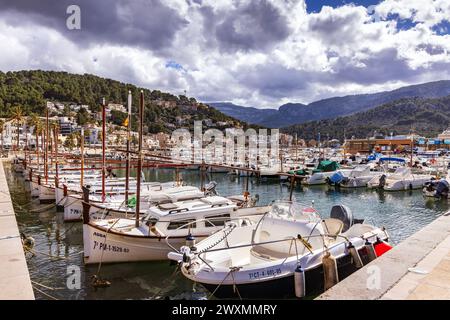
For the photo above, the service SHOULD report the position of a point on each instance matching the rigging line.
(45, 294)
(175, 273)
(103, 250)
(215, 290)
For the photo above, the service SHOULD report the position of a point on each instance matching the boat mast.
(82, 158)
(47, 127)
(55, 134)
(127, 170)
(103, 149)
(412, 146)
(139, 164)
(27, 153)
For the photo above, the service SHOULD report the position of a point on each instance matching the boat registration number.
(108, 247)
(264, 273)
(75, 212)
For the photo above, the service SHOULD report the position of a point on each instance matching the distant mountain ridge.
(247, 114)
(297, 113)
(425, 116)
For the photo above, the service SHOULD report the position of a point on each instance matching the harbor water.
(56, 263)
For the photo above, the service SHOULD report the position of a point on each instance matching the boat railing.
(211, 221)
(293, 240)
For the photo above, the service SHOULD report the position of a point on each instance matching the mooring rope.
(45, 294)
(175, 273)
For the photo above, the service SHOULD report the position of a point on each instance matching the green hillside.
(427, 117)
(32, 89)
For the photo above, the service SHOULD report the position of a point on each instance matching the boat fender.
(371, 254)
(299, 282)
(356, 259)
(190, 241)
(330, 271)
(381, 247)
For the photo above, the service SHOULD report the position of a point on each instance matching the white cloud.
(337, 51)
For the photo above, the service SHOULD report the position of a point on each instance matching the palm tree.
(17, 116)
(38, 129)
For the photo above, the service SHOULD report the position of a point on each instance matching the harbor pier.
(416, 269)
(15, 283)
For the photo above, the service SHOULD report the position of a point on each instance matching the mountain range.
(424, 116)
(298, 113)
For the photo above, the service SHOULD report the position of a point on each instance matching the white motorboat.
(124, 240)
(283, 254)
(401, 179)
(114, 204)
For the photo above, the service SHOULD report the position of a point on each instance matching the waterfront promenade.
(418, 268)
(15, 283)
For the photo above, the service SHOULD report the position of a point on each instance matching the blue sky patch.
(442, 28)
(174, 65)
(316, 5)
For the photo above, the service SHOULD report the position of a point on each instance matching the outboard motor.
(344, 214)
(442, 189)
(254, 200)
(210, 188)
(430, 186)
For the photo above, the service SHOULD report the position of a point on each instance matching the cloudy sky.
(259, 53)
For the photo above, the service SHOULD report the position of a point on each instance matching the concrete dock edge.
(15, 283)
(376, 279)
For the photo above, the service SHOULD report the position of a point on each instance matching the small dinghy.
(289, 252)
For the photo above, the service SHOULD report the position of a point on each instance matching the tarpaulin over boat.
(337, 177)
(327, 166)
(299, 172)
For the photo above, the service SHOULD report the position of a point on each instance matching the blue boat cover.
(392, 159)
(337, 177)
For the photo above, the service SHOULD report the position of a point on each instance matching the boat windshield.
(294, 210)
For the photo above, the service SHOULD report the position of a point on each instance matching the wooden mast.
(103, 150)
(127, 170)
(82, 157)
(46, 145)
(55, 134)
(139, 164)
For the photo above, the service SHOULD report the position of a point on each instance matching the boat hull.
(46, 194)
(281, 287)
(100, 246)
